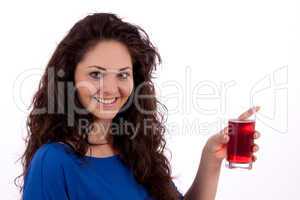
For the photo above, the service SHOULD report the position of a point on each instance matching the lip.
(108, 106)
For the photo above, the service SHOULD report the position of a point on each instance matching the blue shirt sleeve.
(45, 177)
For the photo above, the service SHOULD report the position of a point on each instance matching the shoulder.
(46, 173)
(50, 157)
(54, 151)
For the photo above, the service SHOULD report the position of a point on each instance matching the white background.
(204, 45)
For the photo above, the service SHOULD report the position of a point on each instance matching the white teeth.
(105, 101)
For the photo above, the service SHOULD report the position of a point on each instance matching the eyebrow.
(102, 68)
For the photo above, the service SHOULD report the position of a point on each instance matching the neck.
(100, 132)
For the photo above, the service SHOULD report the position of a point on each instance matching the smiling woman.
(108, 63)
(114, 148)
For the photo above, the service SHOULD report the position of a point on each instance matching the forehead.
(111, 55)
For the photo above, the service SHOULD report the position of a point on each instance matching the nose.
(110, 85)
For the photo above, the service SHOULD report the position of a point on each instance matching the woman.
(92, 132)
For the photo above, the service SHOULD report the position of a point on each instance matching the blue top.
(56, 173)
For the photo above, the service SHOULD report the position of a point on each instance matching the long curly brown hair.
(143, 153)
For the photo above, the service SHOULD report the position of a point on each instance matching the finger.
(254, 158)
(248, 113)
(257, 135)
(224, 131)
(221, 138)
(255, 148)
(224, 137)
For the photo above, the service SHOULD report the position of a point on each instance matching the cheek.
(127, 89)
(83, 96)
(85, 89)
(83, 92)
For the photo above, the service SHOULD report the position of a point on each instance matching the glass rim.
(236, 120)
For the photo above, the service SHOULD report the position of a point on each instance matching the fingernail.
(226, 137)
(257, 108)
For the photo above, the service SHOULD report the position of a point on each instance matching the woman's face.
(104, 79)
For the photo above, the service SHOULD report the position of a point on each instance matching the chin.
(105, 116)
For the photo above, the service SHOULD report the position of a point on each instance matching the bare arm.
(205, 183)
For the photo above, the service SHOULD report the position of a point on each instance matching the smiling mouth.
(106, 101)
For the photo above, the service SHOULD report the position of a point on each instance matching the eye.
(96, 75)
(124, 75)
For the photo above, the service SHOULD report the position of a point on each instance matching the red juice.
(239, 147)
